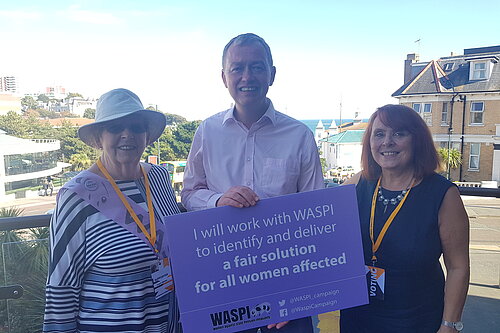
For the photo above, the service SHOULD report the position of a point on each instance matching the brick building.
(459, 98)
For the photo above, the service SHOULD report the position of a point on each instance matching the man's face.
(247, 74)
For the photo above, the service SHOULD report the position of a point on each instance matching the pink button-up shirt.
(276, 156)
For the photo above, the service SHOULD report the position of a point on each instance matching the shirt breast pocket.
(279, 176)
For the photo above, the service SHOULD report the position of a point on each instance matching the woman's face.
(391, 149)
(124, 140)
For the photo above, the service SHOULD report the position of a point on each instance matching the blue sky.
(169, 52)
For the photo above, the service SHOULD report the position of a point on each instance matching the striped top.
(99, 276)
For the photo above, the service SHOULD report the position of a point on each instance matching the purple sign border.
(329, 277)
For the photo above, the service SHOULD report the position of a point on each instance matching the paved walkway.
(482, 310)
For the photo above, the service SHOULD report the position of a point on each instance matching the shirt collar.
(270, 114)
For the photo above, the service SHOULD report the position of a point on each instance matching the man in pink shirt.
(250, 151)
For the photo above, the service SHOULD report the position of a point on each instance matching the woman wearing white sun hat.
(108, 250)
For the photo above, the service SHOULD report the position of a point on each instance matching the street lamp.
(461, 98)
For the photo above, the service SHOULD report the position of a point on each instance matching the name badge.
(375, 277)
(162, 278)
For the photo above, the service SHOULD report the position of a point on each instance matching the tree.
(89, 113)
(71, 95)
(28, 102)
(43, 98)
(172, 118)
(451, 158)
(48, 114)
(182, 137)
(31, 249)
(80, 162)
(166, 151)
(324, 166)
(71, 144)
(29, 127)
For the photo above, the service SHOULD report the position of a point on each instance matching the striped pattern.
(100, 274)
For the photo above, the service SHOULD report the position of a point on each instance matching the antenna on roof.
(418, 45)
(340, 125)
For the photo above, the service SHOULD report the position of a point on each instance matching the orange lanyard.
(376, 244)
(152, 223)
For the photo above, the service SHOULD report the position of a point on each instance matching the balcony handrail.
(35, 221)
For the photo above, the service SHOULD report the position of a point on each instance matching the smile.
(248, 89)
(127, 147)
(389, 153)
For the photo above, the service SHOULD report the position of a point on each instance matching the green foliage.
(182, 137)
(175, 142)
(67, 134)
(324, 166)
(25, 127)
(11, 212)
(174, 119)
(71, 95)
(28, 102)
(48, 114)
(43, 98)
(89, 113)
(25, 263)
(454, 158)
(80, 162)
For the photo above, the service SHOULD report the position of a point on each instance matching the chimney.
(410, 59)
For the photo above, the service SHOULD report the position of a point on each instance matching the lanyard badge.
(376, 275)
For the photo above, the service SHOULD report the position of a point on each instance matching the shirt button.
(248, 183)
(248, 159)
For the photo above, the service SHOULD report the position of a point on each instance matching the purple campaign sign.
(285, 258)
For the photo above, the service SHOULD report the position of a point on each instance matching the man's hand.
(239, 197)
(278, 325)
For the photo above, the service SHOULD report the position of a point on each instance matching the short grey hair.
(246, 39)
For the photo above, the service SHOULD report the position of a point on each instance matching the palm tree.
(80, 162)
(24, 261)
(451, 158)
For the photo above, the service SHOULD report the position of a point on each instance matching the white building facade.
(25, 163)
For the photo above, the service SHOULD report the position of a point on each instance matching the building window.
(479, 70)
(474, 156)
(427, 107)
(476, 112)
(416, 107)
(444, 114)
(448, 67)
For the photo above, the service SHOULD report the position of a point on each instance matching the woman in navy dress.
(409, 216)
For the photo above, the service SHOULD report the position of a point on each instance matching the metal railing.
(34, 221)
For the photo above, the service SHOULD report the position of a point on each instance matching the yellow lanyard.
(152, 223)
(376, 244)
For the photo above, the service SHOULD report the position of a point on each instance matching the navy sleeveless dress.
(409, 253)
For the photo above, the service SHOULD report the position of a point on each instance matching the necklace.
(393, 201)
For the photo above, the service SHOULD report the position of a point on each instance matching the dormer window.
(479, 70)
(448, 67)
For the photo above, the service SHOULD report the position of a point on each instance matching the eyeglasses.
(134, 128)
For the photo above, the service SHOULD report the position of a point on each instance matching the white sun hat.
(117, 104)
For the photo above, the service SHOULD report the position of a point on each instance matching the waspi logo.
(240, 315)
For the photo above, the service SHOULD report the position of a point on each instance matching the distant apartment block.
(8, 84)
(56, 92)
(458, 96)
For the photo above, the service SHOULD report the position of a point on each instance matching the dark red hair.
(399, 117)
